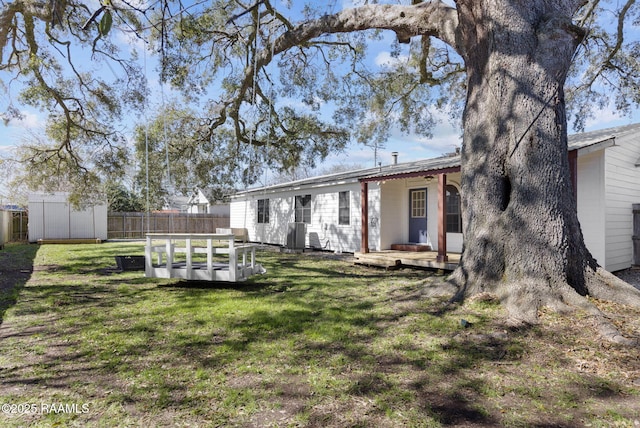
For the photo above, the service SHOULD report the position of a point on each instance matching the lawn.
(317, 341)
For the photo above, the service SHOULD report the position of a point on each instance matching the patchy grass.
(315, 342)
(16, 263)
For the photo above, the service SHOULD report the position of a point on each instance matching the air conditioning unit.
(296, 236)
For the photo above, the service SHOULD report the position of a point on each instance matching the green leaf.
(105, 23)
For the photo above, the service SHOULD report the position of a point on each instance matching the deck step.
(397, 259)
(379, 261)
(411, 247)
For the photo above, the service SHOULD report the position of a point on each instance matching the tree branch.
(428, 19)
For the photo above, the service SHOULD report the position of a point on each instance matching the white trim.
(600, 145)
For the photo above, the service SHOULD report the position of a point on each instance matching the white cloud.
(29, 120)
(608, 117)
(384, 59)
(409, 147)
(4, 150)
(446, 138)
(16, 129)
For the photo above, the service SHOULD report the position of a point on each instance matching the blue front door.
(418, 215)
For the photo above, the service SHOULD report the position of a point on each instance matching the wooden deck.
(422, 259)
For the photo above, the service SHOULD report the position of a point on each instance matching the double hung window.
(263, 211)
(303, 209)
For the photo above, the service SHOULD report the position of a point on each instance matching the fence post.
(636, 234)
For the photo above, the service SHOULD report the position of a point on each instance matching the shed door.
(417, 215)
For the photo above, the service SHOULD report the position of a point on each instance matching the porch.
(405, 220)
(422, 259)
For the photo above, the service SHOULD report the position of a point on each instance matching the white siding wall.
(395, 212)
(219, 209)
(591, 203)
(5, 222)
(376, 226)
(622, 190)
(323, 232)
(52, 217)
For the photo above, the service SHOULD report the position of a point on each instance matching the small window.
(418, 203)
(454, 217)
(263, 210)
(344, 208)
(303, 209)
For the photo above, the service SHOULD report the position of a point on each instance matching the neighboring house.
(203, 201)
(399, 202)
(176, 204)
(52, 217)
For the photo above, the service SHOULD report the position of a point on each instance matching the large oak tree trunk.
(522, 237)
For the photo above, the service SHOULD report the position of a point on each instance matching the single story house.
(175, 204)
(374, 209)
(203, 201)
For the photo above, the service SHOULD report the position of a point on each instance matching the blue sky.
(445, 136)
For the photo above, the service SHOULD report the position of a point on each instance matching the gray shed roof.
(594, 140)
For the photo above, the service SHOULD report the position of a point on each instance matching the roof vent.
(394, 155)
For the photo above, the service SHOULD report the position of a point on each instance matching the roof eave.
(596, 146)
(413, 174)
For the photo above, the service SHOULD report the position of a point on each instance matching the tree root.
(604, 285)
(525, 298)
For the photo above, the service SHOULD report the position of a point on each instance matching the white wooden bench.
(240, 265)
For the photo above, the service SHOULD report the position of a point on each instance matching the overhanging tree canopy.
(291, 87)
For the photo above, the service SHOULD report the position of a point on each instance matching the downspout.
(442, 218)
(364, 205)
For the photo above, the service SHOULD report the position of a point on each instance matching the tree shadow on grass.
(356, 351)
(16, 266)
(214, 285)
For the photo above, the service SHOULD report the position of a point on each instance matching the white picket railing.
(163, 248)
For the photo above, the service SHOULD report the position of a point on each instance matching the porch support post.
(442, 218)
(364, 205)
(573, 171)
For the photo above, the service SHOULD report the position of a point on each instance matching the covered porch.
(386, 253)
(393, 215)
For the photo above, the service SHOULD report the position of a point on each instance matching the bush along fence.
(136, 225)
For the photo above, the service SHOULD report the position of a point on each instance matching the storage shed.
(52, 217)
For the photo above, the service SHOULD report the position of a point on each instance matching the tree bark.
(522, 236)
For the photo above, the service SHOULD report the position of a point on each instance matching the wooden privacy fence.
(13, 226)
(137, 225)
(19, 226)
